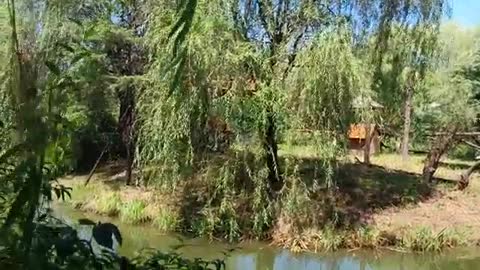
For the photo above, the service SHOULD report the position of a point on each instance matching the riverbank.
(260, 256)
(382, 205)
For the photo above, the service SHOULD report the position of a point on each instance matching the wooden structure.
(357, 135)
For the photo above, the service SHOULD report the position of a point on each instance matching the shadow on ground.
(363, 190)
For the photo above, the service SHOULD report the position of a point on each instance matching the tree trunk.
(127, 129)
(465, 177)
(271, 150)
(440, 145)
(407, 118)
(366, 147)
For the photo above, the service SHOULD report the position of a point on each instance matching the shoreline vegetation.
(381, 205)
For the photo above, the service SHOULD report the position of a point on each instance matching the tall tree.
(450, 106)
(404, 46)
(127, 59)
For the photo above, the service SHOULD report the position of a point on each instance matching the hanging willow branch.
(179, 32)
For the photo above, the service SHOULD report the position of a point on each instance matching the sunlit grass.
(424, 239)
(418, 239)
(166, 220)
(298, 151)
(133, 212)
(108, 203)
(415, 165)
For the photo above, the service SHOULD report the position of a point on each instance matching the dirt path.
(446, 210)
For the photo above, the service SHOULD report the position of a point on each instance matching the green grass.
(133, 212)
(108, 203)
(426, 240)
(80, 192)
(166, 220)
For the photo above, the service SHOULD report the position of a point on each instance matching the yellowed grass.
(415, 165)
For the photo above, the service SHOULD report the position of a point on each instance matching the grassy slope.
(384, 204)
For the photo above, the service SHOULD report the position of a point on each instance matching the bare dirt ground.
(447, 208)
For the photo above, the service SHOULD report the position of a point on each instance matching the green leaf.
(53, 67)
(181, 28)
(57, 193)
(89, 32)
(67, 191)
(79, 57)
(10, 152)
(75, 21)
(86, 221)
(66, 47)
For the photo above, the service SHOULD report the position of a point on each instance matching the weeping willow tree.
(326, 81)
(196, 130)
(174, 125)
(255, 71)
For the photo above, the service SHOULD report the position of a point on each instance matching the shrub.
(462, 152)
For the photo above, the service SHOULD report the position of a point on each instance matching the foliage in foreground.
(59, 246)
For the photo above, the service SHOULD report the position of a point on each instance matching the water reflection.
(283, 260)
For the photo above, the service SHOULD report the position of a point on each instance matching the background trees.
(212, 99)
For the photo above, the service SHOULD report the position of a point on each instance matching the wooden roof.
(359, 131)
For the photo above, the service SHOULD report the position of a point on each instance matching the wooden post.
(366, 147)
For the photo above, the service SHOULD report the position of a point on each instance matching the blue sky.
(466, 12)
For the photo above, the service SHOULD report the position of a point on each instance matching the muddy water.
(259, 256)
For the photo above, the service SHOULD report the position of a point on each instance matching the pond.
(260, 256)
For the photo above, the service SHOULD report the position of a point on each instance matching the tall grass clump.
(133, 212)
(426, 240)
(366, 237)
(166, 220)
(330, 238)
(108, 203)
(82, 194)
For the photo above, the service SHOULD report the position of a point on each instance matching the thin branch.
(293, 56)
(262, 15)
(96, 165)
(476, 146)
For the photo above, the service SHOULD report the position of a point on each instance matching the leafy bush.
(57, 246)
(462, 151)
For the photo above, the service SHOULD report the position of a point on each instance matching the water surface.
(260, 256)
